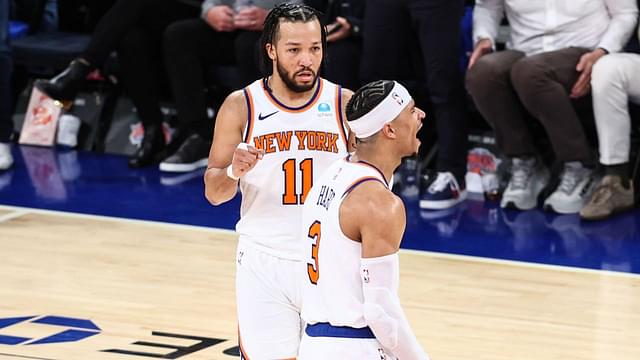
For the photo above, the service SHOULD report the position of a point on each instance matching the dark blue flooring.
(101, 184)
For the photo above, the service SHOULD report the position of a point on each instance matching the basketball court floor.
(103, 262)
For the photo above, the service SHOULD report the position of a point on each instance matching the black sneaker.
(192, 154)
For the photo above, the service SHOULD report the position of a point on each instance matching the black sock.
(621, 170)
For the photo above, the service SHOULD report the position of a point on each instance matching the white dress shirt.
(547, 25)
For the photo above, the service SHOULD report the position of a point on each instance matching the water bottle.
(491, 186)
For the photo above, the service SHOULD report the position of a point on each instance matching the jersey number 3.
(290, 196)
(313, 270)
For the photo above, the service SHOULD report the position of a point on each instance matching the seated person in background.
(615, 82)
(391, 27)
(134, 28)
(345, 19)
(227, 33)
(6, 126)
(544, 69)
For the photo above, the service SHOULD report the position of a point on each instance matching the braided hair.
(289, 13)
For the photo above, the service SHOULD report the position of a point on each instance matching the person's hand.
(245, 158)
(342, 29)
(250, 18)
(483, 47)
(221, 18)
(584, 67)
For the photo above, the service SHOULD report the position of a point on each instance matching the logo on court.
(324, 107)
(73, 329)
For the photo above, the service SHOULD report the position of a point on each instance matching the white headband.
(373, 121)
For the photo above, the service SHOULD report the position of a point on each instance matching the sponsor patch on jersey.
(324, 107)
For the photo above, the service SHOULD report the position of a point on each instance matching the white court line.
(467, 258)
(113, 218)
(515, 263)
(12, 215)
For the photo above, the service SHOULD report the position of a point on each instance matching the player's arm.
(376, 217)
(351, 138)
(228, 162)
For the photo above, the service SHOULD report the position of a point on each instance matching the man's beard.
(290, 81)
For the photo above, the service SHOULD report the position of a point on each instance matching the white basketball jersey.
(333, 290)
(299, 144)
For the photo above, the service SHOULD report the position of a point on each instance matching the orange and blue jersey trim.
(328, 330)
(360, 181)
(283, 107)
(364, 163)
(249, 128)
(243, 354)
(339, 118)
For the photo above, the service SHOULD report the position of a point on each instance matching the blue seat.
(18, 29)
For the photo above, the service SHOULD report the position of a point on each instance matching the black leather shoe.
(151, 149)
(65, 86)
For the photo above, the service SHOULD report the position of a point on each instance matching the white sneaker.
(6, 159)
(573, 192)
(528, 178)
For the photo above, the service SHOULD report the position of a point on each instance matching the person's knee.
(608, 71)
(526, 74)
(481, 74)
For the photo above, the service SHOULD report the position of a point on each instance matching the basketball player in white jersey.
(274, 138)
(353, 225)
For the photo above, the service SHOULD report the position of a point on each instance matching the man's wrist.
(485, 41)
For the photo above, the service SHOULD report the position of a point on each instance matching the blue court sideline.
(100, 184)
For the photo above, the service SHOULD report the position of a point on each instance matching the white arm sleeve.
(382, 310)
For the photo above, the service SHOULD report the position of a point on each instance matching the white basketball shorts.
(268, 298)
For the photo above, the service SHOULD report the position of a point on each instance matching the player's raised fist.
(245, 157)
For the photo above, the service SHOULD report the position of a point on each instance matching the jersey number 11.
(290, 196)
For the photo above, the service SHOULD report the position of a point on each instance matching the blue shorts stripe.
(328, 330)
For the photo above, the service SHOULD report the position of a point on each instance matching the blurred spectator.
(134, 28)
(615, 82)
(228, 33)
(345, 19)
(390, 30)
(6, 126)
(552, 48)
(49, 21)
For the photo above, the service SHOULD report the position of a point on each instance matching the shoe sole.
(442, 204)
(607, 216)
(560, 210)
(512, 205)
(169, 167)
